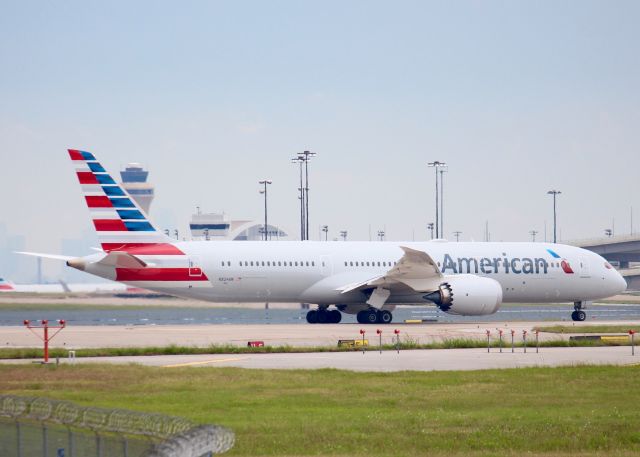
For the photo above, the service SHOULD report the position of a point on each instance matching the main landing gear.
(324, 316)
(578, 315)
(374, 316)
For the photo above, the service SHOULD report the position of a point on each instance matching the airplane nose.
(622, 283)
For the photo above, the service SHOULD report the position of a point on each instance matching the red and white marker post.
(44, 324)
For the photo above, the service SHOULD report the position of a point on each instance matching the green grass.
(589, 329)
(452, 343)
(530, 411)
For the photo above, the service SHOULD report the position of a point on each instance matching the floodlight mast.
(555, 193)
(306, 156)
(436, 164)
(299, 161)
(265, 183)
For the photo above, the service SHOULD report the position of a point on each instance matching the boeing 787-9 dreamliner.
(368, 279)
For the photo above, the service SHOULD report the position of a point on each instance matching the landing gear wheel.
(579, 316)
(312, 317)
(335, 316)
(362, 317)
(385, 317)
(323, 317)
(372, 316)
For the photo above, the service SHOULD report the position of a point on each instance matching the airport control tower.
(134, 180)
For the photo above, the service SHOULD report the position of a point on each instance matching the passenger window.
(367, 263)
(307, 263)
(279, 263)
(228, 263)
(296, 264)
(350, 264)
(252, 263)
(378, 263)
(313, 264)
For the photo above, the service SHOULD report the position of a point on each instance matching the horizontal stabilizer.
(46, 256)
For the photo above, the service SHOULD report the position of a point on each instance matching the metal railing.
(61, 428)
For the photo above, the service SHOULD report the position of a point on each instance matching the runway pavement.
(74, 337)
(389, 361)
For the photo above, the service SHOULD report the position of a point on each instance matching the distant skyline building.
(134, 180)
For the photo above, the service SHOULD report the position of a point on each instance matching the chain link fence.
(42, 427)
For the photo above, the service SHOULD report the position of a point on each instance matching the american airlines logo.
(493, 265)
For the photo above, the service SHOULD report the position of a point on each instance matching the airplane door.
(195, 271)
(584, 268)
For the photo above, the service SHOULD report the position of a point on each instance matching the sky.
(211, 96)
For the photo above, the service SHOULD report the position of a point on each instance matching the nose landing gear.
(578, 314)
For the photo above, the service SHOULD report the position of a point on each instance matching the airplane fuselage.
(314, 272)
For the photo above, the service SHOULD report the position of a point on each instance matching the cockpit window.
(608, 266)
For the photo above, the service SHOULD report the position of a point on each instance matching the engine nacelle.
(467, 295)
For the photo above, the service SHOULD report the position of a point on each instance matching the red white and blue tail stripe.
(5, 286)
(120, 223)
(122, 226)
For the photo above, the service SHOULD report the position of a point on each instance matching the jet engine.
(467, 295)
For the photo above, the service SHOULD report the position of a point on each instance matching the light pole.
(555, 193)
(457, 234)
(325, 229)
(533, 234)
(443, 169)
(306, 156)
(437, 164)
(343, 234)
(265, 182)
(299, 161)
(430, 228)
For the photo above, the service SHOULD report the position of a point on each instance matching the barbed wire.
(179, 436)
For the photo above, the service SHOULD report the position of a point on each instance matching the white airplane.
(62, 287)
(364, 278)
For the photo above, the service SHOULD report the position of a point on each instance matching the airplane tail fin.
(120, 223)
(5, 286)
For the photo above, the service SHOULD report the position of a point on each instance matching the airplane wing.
(415, 269)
